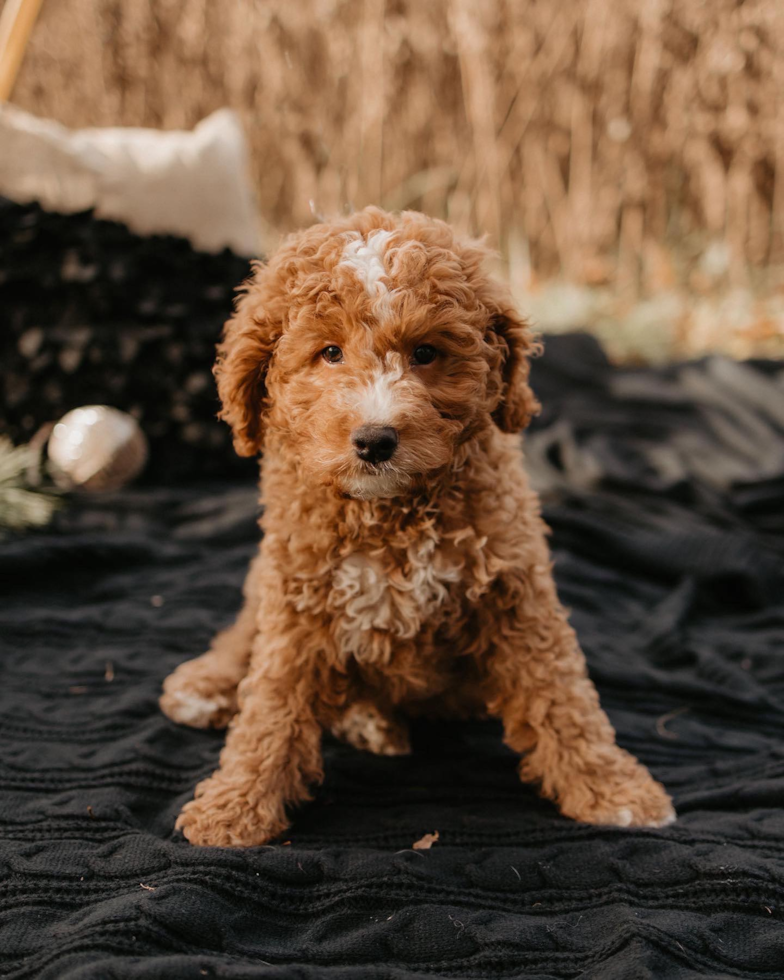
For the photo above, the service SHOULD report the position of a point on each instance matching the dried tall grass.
(614, 142)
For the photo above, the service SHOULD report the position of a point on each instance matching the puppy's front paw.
(625, 795)
(653, 809)
(196, 696)
(188, 707)
(662, 816)
(223, 814)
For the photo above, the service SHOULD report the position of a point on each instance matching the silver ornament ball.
(96, 448)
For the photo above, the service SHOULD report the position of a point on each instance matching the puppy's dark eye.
(332, 354)
(424, 354)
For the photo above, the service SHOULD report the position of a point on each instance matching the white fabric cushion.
(189, 183)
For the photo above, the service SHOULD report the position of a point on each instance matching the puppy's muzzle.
(375, 443)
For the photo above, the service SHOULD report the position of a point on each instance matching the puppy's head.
(372, 349)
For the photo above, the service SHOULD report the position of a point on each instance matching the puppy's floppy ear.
(244, 353)
(513, 343)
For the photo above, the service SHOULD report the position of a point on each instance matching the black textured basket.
(92, 313)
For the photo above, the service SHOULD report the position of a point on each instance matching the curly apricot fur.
(421, 585)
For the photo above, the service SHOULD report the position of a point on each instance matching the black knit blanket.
(665, 492)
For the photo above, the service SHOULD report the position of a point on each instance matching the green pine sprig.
(22, 505)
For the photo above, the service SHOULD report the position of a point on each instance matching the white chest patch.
(366, 598)
(366, 258)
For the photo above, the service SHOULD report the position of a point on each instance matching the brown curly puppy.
(404, 567)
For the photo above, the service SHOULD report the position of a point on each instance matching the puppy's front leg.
(551, 715)
(272, 755)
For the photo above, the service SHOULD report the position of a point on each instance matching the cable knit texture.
(664, 492)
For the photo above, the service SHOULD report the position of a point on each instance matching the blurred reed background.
(626, 157)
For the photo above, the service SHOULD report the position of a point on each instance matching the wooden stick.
(16, 26)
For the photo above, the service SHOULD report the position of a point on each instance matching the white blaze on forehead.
(366, 258)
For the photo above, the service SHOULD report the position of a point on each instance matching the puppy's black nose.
(375, 443)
